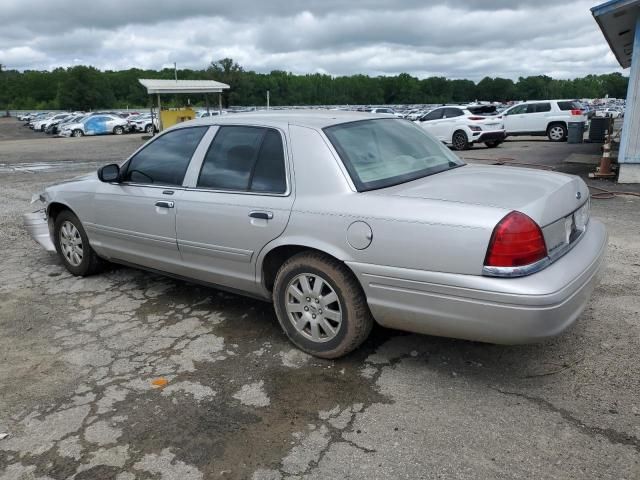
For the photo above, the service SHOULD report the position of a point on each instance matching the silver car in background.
(340, 219)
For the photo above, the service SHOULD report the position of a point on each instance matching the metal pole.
(153, 130)
(159, 119)
(175, 70)
(206, 102)
(219, 103)
(267, 99)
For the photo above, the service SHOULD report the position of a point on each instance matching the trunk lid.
(544, 196)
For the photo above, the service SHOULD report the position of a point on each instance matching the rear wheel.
(321, 306)
(460, 141)
(118, 130)
(493, 143)
(557, 132)
(73, 246)
(77, 133)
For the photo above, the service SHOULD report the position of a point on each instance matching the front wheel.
(321, 306)
(148, 129)
(460, 141)
(557, 132)
(72, 244)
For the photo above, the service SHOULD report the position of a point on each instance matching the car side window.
(433, 115)
(452, 112)
(165, 160)
(543, 107)
(244, 159)
(269, 174)
(520, 109)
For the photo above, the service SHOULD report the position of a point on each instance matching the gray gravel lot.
(78, 358)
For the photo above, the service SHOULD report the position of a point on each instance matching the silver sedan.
(339, 219)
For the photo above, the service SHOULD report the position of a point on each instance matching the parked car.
(461, 128)
(38, 122)
(144, 123)
(44, 124)
(609, 112)
(383, 111)
(95, 124)
(34, 118)
(380, 221)
(543, 117)
(55, 127)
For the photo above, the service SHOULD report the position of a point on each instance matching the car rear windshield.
(482, 109)
(384, 152)
(569, 106)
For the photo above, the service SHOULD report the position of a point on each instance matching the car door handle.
(164, 204)
(261, 214)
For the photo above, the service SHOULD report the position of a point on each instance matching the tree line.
(86, 88)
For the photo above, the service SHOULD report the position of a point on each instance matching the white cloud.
(458, 39)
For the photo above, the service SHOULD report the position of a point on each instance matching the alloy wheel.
(556, 133)
(71, 244)
(313, 307)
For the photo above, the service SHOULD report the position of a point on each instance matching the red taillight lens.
(576, 112)
(516, 241)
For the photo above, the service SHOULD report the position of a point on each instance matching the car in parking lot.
(543, 118)
(95, 124)
(144, 123)
(339, 219)
(462, 127)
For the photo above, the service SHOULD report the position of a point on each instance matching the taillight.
(476, 118)
(576, 112)
(516, 241)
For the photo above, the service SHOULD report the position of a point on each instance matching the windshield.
(379, 153)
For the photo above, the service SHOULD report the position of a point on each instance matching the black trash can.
(576, 132)
(598, 129)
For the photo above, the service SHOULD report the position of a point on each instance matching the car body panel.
(424, 240)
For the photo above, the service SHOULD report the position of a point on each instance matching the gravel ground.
(79, 357)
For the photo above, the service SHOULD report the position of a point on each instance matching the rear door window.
(245, 159)
(539, 107)
(433, 115)
(452, 112)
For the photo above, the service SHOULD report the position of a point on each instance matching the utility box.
(576, 132)
(171, 117)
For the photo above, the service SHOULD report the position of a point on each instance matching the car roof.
(283, 118)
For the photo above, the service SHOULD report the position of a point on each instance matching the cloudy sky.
(454, 38)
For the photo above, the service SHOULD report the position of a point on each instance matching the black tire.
(77, 133)
(493, 143)
(557, 132)
(356, 322)
(118, 130)
(459, 140)
(148, 128)
(90, 263)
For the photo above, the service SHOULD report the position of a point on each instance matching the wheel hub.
(313, 307)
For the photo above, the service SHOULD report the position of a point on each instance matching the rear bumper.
(495, 310)
(37, 226)
(489, 136)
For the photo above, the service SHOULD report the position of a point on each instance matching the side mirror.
(109, 173)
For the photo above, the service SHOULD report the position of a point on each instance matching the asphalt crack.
(612, 435)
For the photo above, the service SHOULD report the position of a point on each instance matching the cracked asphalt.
(79, 359)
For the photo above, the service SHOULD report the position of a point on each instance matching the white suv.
(461, 127)
(543, 117)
